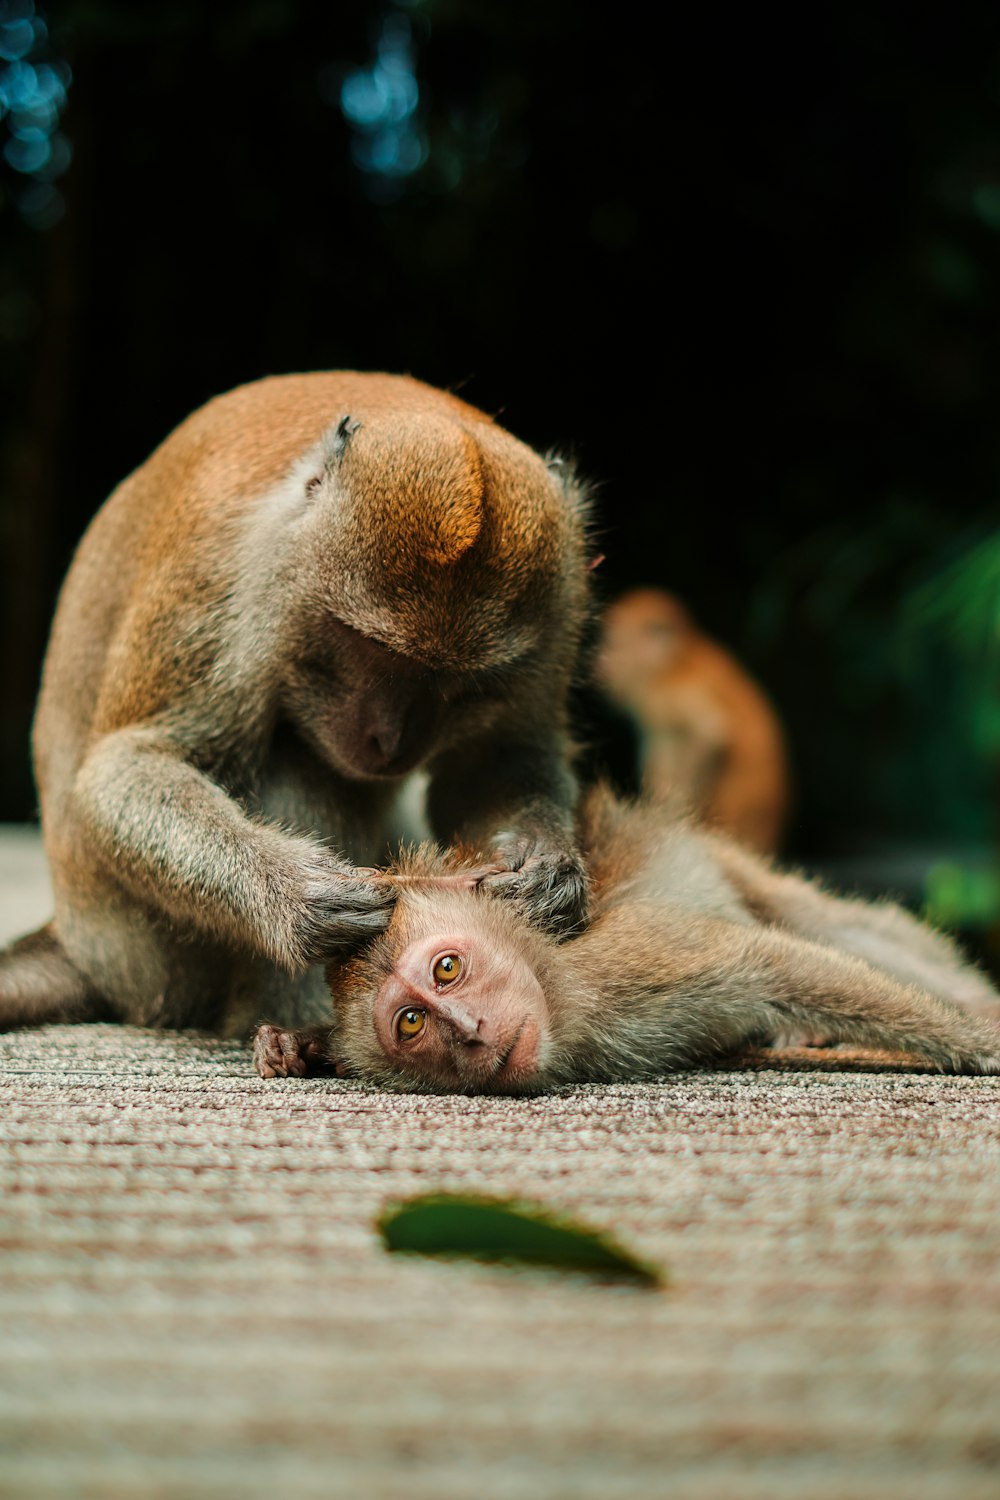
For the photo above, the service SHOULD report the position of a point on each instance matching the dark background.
(746, 270)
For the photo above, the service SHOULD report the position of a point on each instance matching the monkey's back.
(144, 612)
(145, 573)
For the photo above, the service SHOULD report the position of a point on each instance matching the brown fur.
(697, 949)
(711, 742)
(315, 584)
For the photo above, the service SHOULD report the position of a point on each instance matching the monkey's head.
(455, 997)
(642, 636)
(442, 568)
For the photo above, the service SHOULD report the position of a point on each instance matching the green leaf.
(497, 1229)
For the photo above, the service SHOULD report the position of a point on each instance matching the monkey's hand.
(292, 1054)
(548, 885)
(342, 911)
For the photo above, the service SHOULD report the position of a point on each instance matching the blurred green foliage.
(961, 607)
(958, 610)
(960, 898)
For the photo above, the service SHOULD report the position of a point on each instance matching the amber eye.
(447, 969)
(411, 1023)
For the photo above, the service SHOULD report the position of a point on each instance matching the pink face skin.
(461, 1013)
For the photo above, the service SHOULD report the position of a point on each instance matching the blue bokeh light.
(33, 91)
(381, 105)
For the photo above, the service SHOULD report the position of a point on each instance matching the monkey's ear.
(576, 492)
(338, 438)
(333, 446)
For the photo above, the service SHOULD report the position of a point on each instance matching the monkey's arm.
(515, 804)
(880, 932)
(667, 989)
(173, 836)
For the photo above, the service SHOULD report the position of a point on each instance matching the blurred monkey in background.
(710, 742)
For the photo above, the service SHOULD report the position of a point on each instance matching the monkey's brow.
(480, 681)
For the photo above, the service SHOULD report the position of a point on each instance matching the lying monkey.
(697, 949)
(710, 740)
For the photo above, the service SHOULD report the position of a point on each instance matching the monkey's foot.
(793, 1038)
(291, 1054)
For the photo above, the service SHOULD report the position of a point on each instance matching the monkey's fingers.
(796, 1037)
(276, 1053)
(461, 880)
(550, 888)
(346, 913)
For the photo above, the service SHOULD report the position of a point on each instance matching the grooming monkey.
(696, 949)
(317, 584)
(710, 741)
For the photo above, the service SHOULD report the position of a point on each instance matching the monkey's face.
(641, 636)
(433, 580)
(460, 1012)
(372, 712)
(445, 1001)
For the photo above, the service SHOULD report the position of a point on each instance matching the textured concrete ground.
(194, 1303)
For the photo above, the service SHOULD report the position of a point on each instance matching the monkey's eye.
(410, 1023)
(447, 968)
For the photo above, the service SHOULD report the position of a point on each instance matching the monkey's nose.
(384, 743)
(389, 749)
(396, 736)
(467, 1027)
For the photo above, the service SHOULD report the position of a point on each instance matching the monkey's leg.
(39, 984)
(672, 989)
(892, 939)
(176, 840)
(292, 1054)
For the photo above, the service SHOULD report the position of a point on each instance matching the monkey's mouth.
(519, 1061)
(365, 764)
(393, 770)
(504, 1056)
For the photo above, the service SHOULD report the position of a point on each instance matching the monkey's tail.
(40, 983)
